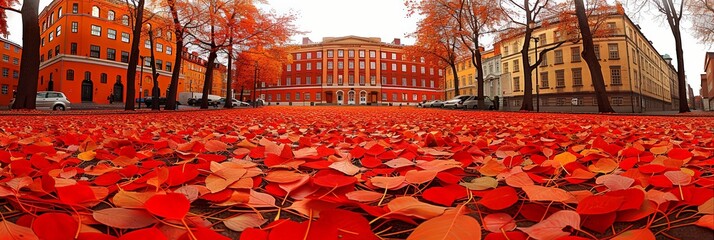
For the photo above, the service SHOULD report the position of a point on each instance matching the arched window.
(59, 13)
(70, 74)
(125, 20)
(95, 11)
(110, 15)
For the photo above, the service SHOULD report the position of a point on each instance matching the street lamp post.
(141, 81)
(536, 78)
(255, 80)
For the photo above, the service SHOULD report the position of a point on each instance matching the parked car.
(421, 104)
(456, 102)
(236, 103)
(472, 103)
(49, 100)
(434, 103)
(198, 101)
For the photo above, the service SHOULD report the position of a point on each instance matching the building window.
(384, 96)
(15, 74)
(103, 78)
(288, 68)
(560, 101)
(575, 54)
(125, 20)
(75, 7)
(614, 53)
(351, 53)
(394, 67)
(596, 48)
(394, 97)
(617, 101)
(404, 68)
(373, 80)
(351, 64)
(318, 65)
(111, 54)
(394, 56)
(544, 80)
(58, 30)
(577, 77)
(96, 30)
(361, 54)
(505, 67)
(361, 80)
(111, 34)
(168, 66)
(297, 96)
(384, 80)
(169, 51)
(159, 47)
(404, 81)
(383, 55)
(351, 79)
(110, 15)
(298, 81)
(51, 36)
(5, 89)
(87, 75)
(615, 75)
(330, 53)
(516, 84)
(298, 67)
(558, 56)
(308, 66)
(124, 57)
(288, 81)
(73, 48)
(431, 84)
(329, 80)
(516, 66)
(543, 63)
(340, 65)
(159, 64)
(94, 51)
(413, 82)
(340, 53)
(287, 97)
(329, 65)
(95, 11)
(147, 44)
(125, 37)
(559, 78)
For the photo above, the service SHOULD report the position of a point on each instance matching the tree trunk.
(173, 87)
(30, 63)
(134, 58)
(208, 81)
(229, 82)
(241, 93)
(603, 103)
(456, 79)
(682, 79)
(527, 104)
(477, 61)
(155, 91)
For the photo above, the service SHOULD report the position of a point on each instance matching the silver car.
(472, 103)
(49, 100)
(456, 102)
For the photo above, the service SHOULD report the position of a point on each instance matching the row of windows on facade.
(96, 12)
(6, 58)
(351, 65)
(318, 97)
(103, 77)
(543, 40)
(350, 54)
(8, 46)
(95, 52)
(6, 73)
(561, 101)
(577, 77)
(351, 81)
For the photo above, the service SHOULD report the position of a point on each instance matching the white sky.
(387, 19)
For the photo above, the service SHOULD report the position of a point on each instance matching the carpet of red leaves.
(354, 173)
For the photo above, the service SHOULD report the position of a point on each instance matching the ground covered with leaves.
(355, 173)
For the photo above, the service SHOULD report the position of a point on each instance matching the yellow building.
(466, 71)
(637, 77)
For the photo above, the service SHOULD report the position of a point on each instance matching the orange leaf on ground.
(637, 234)
(448, 226)
(706, 221)
(13, 231)
(540, 193)
(409, 206)
(552, 227)
(498, 222)
(124, 218)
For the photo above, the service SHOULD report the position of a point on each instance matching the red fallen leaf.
(253, 234)
(95, 236)
(333, 181)
(680, 153)
(338, 224)
(652, 168)
(371, 162)
(599, 204)
(170, 205)
(107, 179)
(151, 233)
(124, 218)
(499, 198)
(498, 222)
(646, 209)
(516, 235)
(203, 233)
(55, 226)
(706, 221)
(375, 150)
(357, 152)
(76, 194)
(288, 230)
(600, 222)
(552, 227)
(9, 230)
(633, 198)
(181, 174)
(439, 195)
(660, 181)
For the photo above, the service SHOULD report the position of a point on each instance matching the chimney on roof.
(306, 40)
(397, 41)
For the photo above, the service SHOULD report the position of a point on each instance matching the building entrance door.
(340, 98)
(363, 98)
(351, 98)
(87, 90)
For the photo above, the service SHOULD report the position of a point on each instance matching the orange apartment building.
(354, 71)
(85, 51)
(193, 69)
(10, 65)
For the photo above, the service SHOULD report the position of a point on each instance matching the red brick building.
(10, 67)
(707, 85)
(354, 71)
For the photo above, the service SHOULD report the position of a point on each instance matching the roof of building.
(10, 42)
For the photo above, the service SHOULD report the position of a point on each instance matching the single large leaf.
(243, 221)
(124, 218)
(448, 226)
(552, 227)
(410, 206)
(170, 205)
(13, 231)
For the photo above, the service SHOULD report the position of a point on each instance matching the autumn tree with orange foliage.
(702, 12)
(183, 17)
(436, 38)
(256, 66)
